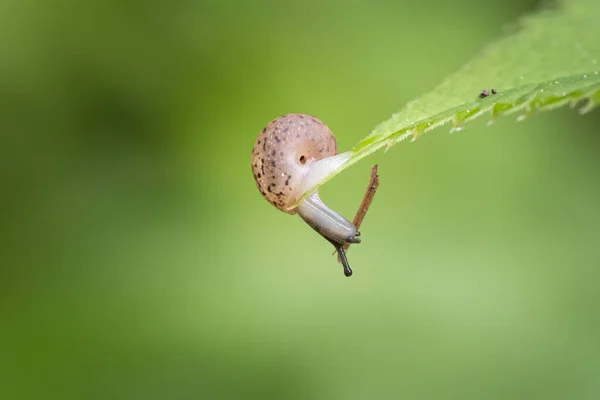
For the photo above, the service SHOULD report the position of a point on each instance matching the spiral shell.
(283, 152)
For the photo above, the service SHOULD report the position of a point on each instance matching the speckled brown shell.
(282, 152)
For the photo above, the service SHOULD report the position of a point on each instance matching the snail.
(293, 153)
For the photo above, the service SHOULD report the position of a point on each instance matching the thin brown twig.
(366, 201)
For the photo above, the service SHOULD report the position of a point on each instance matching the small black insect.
(486, 92)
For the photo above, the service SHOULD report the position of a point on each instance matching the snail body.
(327, 222)
(292, 154)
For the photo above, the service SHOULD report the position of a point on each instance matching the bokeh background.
(138, 260)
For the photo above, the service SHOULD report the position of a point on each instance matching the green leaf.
(550, 61)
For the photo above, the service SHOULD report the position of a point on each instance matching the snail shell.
(283, 154)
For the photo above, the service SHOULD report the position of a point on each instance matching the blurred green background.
(138, 260)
